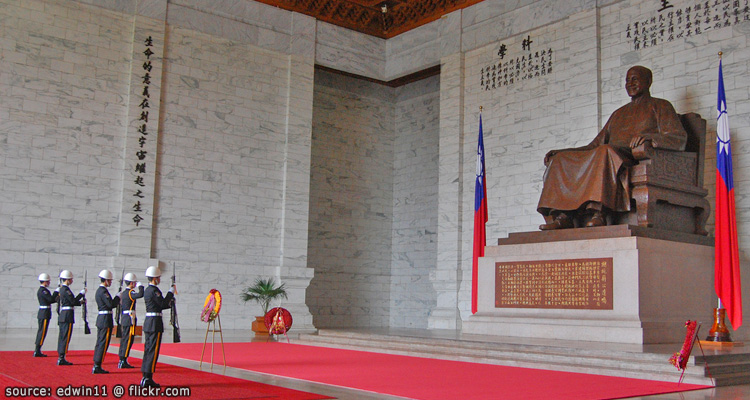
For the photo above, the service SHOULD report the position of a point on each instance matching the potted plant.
(263, 291)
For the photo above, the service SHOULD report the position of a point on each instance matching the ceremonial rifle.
(118, 309)
(173, 311)
(86, 329)
(59, 285)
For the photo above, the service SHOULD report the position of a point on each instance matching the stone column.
(445, 279)
(139, 189)
(293, 270)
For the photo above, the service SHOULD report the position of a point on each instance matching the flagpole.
(726, 258)
(718, 301)
(480, 218)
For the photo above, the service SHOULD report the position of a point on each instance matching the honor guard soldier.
(45, 312)
(66, 319)
(128, 321)
(153, 326)
(105, 303)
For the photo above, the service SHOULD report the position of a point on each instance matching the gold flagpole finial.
(480, 108)
(720, 53)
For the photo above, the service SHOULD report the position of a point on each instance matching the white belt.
(128, 311)
(43, 307)
(153, 314)
(105, 312)
(66, 308)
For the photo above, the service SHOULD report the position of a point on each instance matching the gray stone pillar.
(139, 189)
(445, 279)
(293, 270)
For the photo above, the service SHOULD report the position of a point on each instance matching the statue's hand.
(641, 140)
(549, 156)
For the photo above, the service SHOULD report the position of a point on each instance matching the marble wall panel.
(489, 21)
(264, 28)
(415, 202)
(351, 202)
(154, 9)
(349, 51)
(249, 12)
(64, 76)
(222, 152)
(424, 46)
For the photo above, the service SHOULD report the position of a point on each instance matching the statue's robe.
(598, 172)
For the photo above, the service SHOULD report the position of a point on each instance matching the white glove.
(173, 289)
(57, 290)
(83, 291)
(138, 284)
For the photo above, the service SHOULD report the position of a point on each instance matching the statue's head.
(638, 81)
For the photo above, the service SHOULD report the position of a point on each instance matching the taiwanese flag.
(726, 260)
(480, 218)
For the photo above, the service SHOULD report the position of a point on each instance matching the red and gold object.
(211, 306)
(680, 358)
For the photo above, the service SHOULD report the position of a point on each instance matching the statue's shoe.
(597, 219)
(562, 221)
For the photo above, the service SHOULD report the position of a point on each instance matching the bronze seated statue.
(645, 167)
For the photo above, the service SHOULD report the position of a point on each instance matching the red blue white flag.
(726, 260)
(480, 218)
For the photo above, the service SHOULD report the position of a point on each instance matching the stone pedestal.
(660, 280)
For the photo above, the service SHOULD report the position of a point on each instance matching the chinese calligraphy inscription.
(508, 70)
(670, 22)
(559, 284)
(140, 165)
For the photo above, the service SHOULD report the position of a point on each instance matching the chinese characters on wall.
(140, 165)
(561, 284)
(670, 22)
(509, 69)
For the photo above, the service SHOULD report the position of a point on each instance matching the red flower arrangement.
(212, 306)
(680, 358)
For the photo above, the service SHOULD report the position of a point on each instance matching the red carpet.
(421, 378)
(18, 369)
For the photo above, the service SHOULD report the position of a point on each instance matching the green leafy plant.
(264, 291)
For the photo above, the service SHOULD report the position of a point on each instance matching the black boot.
(124, 364)
(38, 352)
(147, 381)
(63, 361)
(98, 370)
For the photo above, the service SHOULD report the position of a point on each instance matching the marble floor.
(22, 339)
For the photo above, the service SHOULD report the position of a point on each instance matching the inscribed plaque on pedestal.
(563, 284)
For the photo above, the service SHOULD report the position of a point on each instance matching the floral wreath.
(212, 306)
(680, 358)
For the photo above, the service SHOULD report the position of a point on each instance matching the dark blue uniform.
(43, 315)
(153, 326)
(105, 303)
(128, 322)
(66, 319)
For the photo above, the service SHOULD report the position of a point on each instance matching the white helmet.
(130, 277)
(153, 272)
(65, 274)
(43, 278)
(105, 274)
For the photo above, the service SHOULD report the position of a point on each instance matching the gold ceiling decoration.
(381, 18)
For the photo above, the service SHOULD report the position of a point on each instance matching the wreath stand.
(211, 326)
(687, 348)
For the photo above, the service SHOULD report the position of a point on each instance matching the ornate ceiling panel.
(380, 18)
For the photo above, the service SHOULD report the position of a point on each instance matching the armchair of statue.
(667, 186)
